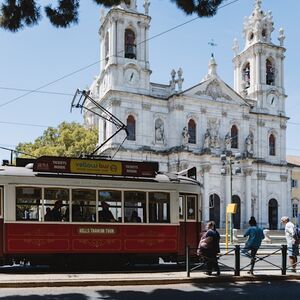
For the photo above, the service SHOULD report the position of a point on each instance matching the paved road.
(255, 290)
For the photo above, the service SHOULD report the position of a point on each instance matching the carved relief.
(146, 106)
(212, 132)
(214, 91)
(248, 171)
(283, 178)
(261, 176)
(116, 102)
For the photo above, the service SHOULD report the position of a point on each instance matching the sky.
(62, 60)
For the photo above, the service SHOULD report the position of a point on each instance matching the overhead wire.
(98, 61)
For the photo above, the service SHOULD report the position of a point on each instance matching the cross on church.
(212, 44)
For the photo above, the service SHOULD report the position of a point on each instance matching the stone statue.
(207, 140)
(249, 145)
(213, 127)
(159, 131)
(185, 136)
(227, 141)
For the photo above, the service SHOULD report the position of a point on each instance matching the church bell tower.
(124, 49)
(258, 69)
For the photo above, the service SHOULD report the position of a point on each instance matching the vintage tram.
(62, 212)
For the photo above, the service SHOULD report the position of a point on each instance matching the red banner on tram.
(54, 164)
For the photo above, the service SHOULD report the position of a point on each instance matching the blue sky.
(37, 56)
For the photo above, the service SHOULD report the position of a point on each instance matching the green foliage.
(203, 8)
(69, 139)
(65, 14)
(16, 14)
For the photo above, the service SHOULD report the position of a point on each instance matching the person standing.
(255, 236)
(292, 246)
(209, 247)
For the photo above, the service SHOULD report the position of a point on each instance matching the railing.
(232, 259)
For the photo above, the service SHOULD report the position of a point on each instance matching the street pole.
(230, 170)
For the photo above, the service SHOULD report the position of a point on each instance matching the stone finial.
(258, 4)
(212, 67)
(281, 36)
(146, 6)
(172, 81)
(235, 47)
(267, 238)
(102, 16)
(180, 79)
(173, 74)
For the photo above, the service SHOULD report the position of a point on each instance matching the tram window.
(135, 207)
(56, 204)
(191, 207)
(110, 206)
(159, 207)
(83, 205)
(28, 203)
(181, 208)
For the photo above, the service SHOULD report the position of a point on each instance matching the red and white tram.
(50, 217)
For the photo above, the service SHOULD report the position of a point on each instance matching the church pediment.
(216, 90)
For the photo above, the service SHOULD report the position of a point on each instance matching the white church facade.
(235, 137)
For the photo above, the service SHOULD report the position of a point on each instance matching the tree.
(69, 139)
(17, 14)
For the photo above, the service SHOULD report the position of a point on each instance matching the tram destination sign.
(57, 164)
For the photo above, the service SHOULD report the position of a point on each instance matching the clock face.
(131, 76)
(272, 100)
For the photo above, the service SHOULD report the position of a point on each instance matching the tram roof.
(27, 171)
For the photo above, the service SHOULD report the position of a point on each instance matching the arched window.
(130, 47)
(131, 128)
(246, 75)
(272, 145)
(269, 72)
(106, 45)
(234, 137)
(192, 131)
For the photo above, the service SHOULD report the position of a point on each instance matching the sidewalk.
(114, 279)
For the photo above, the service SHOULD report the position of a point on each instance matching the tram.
(60, 211)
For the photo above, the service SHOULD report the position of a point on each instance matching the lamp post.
(230, 166)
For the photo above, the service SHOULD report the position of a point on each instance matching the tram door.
(1, 221)
(188, 219)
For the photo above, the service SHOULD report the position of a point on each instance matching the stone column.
(282, 71)
(246, 210)
(114, 37)
(205, 202)
(140, 43)
(146, 47)
(262, 201)
(258, 67)
(228, 192)
(283, 202)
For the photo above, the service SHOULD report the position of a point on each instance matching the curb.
(157, 281)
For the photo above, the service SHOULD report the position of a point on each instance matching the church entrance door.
(214, 209)
(236, 218)
(273, 214)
